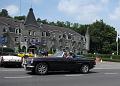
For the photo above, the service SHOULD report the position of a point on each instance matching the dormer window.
(18, 31)
(4, 30)
(64, 35)
(60, 36)
(69, 36)
(47, 34)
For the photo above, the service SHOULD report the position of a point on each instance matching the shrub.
(105, 57)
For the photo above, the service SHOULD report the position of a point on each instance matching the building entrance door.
(32, 49)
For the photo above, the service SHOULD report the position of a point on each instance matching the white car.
(6, 60)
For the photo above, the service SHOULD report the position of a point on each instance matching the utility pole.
(20, 7)
(117, 42)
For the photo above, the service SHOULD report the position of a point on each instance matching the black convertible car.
(57, 62)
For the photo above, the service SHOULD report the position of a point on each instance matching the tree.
(67, 23)
(4, 13)
(60, 24)
(20, 17)
(39, 20)
(102, 37)
(44, 21)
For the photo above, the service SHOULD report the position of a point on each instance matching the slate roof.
(10, 22)
(30, 20)
(52, 28)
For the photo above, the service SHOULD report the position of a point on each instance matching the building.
(30, 36)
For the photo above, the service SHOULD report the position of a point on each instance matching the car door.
(57, 63)
(69, 64)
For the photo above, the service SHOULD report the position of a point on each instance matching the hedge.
(6, 50)
(105, 57)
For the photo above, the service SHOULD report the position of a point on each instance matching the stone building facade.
(28, 35)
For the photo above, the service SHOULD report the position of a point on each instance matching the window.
(64, 35)
(82, 38)
(42, 33)
(37, 39)
(17, 31)
(4, 30)
(30, 32)
(33, 40)
(30, 40)
(67, 43)
(11, 29)
(69, 36)
(60, 36)
(47, 34)
(16, 39)
(34, 33)
(25, 39)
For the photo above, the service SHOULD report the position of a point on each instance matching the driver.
(68, 55)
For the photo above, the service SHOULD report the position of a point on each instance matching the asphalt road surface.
(104, 74)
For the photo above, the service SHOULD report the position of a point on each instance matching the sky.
(79, 11)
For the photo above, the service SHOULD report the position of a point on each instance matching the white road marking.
(106, 68)
(111, 73)
(74, 75)
(20, 77)
(12, 70)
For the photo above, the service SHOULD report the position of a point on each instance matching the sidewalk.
(107, 65)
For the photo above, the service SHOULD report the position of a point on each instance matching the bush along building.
(30, 36)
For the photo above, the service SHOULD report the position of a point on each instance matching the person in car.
(70, 55)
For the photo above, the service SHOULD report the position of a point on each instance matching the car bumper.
(29, 67)
(11, 63)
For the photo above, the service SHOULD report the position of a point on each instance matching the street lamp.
(3, 46)
(117, 43)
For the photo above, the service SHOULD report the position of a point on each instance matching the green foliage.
(20, 17)
(4, 13)
(105, 57)
(50, 51)
(102, 38)
(6, 50)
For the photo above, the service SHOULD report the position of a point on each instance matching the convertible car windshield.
(58, 54)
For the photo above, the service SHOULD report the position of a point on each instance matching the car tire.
(41, 69)
(84, 69)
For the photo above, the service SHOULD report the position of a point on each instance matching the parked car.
(10, 59)
(58, 62)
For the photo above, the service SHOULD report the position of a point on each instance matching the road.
(104, 74)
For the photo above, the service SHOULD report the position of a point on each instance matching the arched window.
(17, 31)
(34, 33)
(30, 32)
(4, 29)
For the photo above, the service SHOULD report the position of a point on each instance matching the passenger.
(69, 55)
(65, 55)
